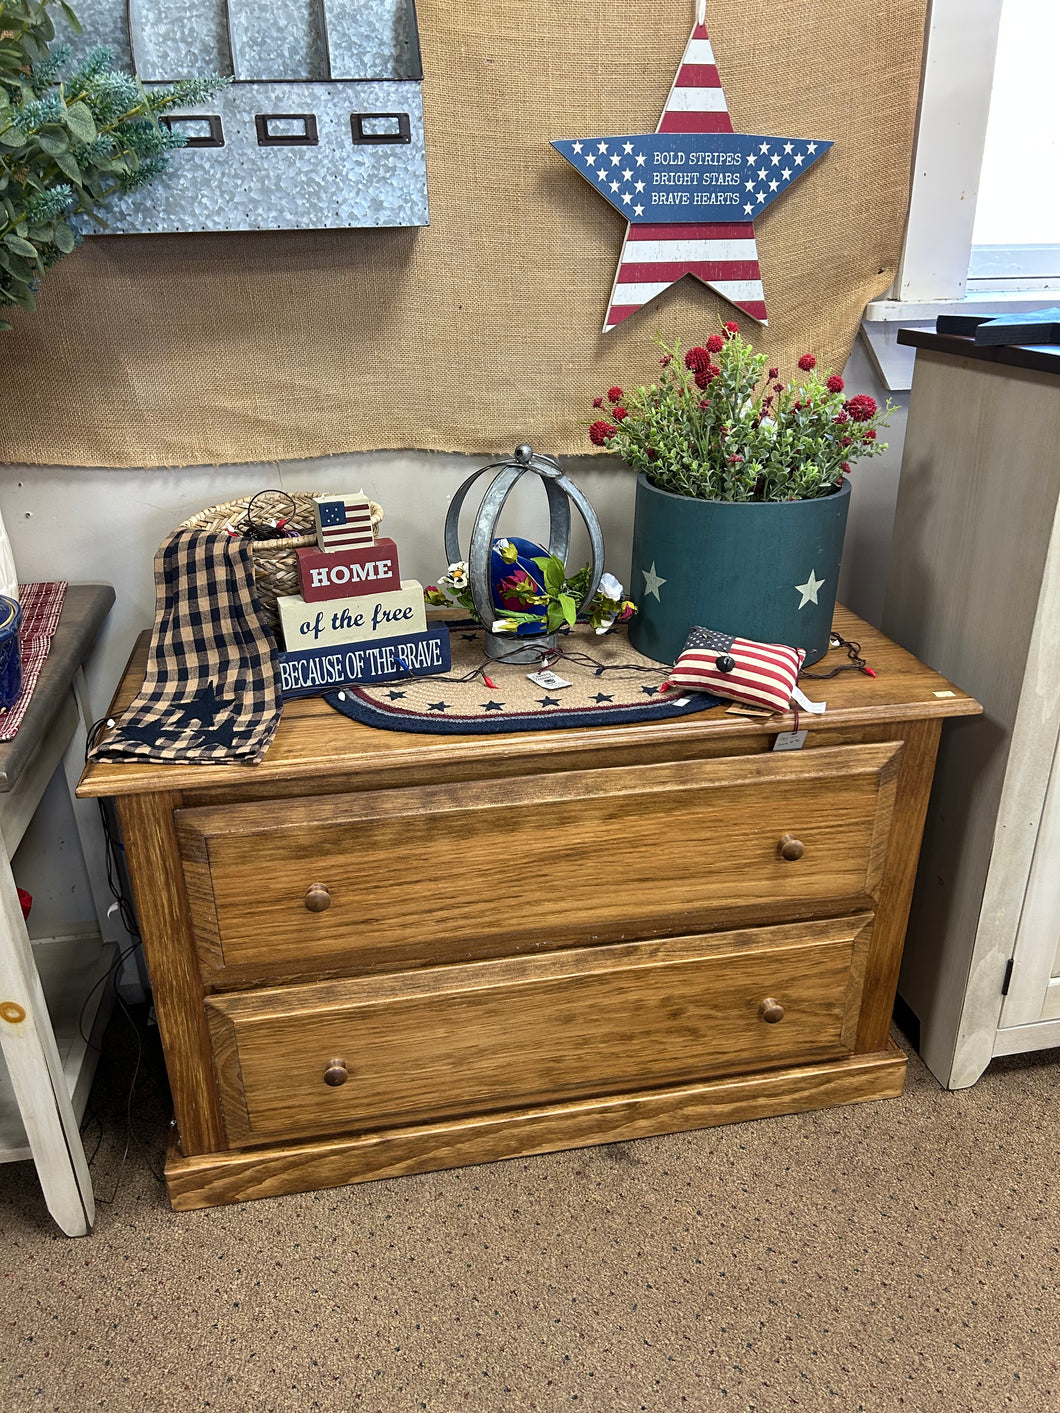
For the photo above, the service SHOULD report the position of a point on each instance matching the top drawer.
(444, 872)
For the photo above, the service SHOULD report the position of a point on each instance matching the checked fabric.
(210, 691)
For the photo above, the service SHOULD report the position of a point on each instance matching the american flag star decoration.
(344, 522)
(692, 190)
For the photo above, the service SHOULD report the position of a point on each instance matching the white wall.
(104, 526)
(867, 547)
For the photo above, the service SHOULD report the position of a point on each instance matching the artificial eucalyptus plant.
(71, 137)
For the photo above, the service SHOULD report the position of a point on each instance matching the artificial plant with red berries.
(719, 424)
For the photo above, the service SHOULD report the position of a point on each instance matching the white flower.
(504, 625)
(611, 589)
(456, 576)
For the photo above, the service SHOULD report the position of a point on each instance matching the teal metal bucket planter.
(756, 569)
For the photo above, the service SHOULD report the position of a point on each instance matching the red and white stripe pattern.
(724, 254)
(42, 604)
(344, 522)
(762, 674)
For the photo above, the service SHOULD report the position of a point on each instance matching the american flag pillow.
(759, 674)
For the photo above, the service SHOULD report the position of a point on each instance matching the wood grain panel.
(307, 1167)
(885, 955)
(569, 855)
(516, 1032)
(162, 911)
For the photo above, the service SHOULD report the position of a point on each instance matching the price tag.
(789, 740)
(547, 678)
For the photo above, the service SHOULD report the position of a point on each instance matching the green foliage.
(560, 599)
(717, 425)
(70, 139)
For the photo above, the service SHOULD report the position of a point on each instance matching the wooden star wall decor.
(691, 191)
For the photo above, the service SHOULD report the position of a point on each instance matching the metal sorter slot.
(321, 127)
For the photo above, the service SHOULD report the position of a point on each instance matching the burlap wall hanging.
(484, 328)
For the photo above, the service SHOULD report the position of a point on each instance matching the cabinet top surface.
(1042, 358)
(314, 741)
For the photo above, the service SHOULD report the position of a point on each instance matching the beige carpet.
(900, 1255)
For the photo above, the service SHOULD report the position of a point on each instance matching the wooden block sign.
(369, 569)
(343, 522)
(314, 670)
(352, 620)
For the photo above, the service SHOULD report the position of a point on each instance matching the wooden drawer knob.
(317, 898)
(336, 1073)
(790, 848)
(771, 1010)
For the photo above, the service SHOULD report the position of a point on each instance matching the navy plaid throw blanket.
(210, 690)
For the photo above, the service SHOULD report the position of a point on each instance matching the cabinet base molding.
(212, 1178)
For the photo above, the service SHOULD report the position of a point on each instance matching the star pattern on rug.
(510, 703)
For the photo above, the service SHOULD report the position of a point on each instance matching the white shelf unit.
(71, 969)
(53, 992)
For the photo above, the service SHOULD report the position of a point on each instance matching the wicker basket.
(275, 561)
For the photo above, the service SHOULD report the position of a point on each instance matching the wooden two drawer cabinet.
(378, 953)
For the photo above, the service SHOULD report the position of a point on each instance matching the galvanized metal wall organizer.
(321, 128)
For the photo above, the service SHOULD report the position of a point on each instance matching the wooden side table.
(50, 993)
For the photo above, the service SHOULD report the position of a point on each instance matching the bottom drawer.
(343, 1056)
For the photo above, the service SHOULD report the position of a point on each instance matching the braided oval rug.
(610, 684)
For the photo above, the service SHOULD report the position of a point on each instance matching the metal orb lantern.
(561, 492)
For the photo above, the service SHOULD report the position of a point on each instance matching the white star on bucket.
(808, 590)
(652, 582)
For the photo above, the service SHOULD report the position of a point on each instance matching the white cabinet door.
(1034, 989)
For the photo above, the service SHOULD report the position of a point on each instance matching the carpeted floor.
(901, 1255)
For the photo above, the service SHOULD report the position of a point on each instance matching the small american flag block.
(343, 522)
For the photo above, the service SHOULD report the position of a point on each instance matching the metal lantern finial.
(561, 492)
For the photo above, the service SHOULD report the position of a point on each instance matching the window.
(1016, 235)
(984, 213)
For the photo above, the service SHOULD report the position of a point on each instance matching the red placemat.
(41, 606)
